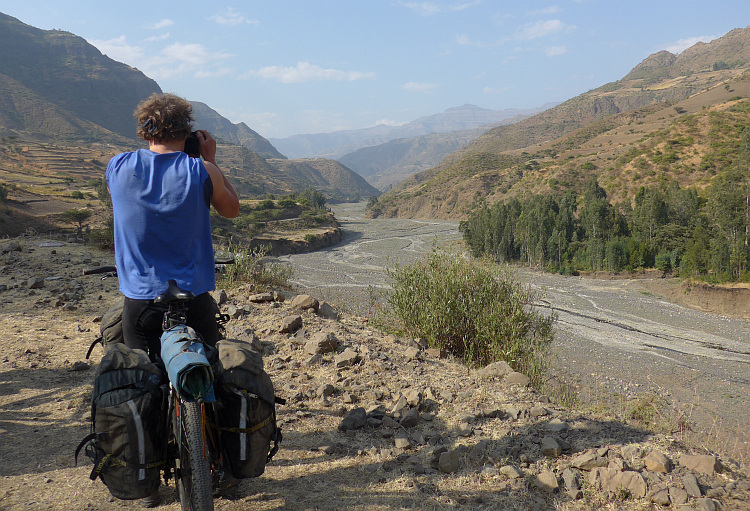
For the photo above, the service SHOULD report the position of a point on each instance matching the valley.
(614, 338)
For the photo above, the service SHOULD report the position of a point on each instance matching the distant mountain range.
(337, 144)
(683, 106)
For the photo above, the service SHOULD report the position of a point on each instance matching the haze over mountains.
(337, 144)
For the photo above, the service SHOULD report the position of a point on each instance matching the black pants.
(142, 322)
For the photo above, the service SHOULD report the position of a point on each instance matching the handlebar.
(113, 269)
(99, 269)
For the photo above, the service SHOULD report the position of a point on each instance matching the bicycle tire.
(194, 481)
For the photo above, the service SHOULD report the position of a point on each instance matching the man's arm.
(224, 198)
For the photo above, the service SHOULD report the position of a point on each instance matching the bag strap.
(86, 440)
(120, 378)
(98, 340)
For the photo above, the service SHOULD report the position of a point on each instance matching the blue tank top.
(162, 225)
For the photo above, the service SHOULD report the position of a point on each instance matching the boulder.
(305, 302)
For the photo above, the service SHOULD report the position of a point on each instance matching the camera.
(192, 146)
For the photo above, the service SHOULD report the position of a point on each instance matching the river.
(611, 336)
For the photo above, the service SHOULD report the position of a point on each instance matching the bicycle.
(193, 456)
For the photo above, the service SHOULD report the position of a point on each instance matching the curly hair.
(164, 118)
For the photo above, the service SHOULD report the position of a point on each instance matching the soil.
(47, 382)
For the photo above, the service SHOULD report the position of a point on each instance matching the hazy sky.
(307, 66)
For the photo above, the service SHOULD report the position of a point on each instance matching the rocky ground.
(371, 421)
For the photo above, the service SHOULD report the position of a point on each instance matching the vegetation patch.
(479, 312)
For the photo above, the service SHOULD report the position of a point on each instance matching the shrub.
(287, 203)
(249, 267)
(475, 310)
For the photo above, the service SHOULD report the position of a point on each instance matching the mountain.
(336, 144)
(222, 128)
(388, 164)
(66, 109)
(252, 175)
(70, 76)
(615, 132)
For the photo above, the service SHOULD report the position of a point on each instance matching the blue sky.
(310, 66)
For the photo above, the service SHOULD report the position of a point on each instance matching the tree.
(76, 216)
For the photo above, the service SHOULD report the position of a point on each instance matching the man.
(161, 199)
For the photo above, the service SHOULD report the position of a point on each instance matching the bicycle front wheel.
(194, 479)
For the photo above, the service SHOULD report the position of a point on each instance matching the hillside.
(239, 134)
(386, 165)
(72, 79)
(328, 176)
(339, 143)
(601, 132)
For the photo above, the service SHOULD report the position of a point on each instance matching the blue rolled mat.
(184, 356)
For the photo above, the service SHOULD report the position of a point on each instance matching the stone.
(355, 419)
(325, 310)
(518, 379)
(35, 283)
(80, 366)
(449, 461)
(570, 479)
(305, 302)
(489, 471)
(705, 505)
(511, 471)
(495, 370)
(661, 498)
(400, 407)
(608, 479)
(556, 426)
(538, 411)
(633, 482)
(631, 452)
(436, 353)
(413, 397)
(390, 422)
(465, 429)
(321, 342)
(657, 462)
(261, 297)
(412, 353)
(326, 390)
(235, 312)
(219, 296)
(677, 496)
(701, 463)
(546, 481)
(327, 447)
(550, 447)
(692, 487)
(290, 324)
(411, 418)
(347, 358)
(401, 441)
(314, 360)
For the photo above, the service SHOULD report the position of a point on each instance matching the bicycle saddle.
(173, 294)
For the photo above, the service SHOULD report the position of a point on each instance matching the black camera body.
(192, 146)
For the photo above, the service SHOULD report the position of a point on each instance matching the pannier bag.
(247, 409)
(184, 356)
(129, 424)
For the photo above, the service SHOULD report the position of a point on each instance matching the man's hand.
(224, 198)
(207, 145)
